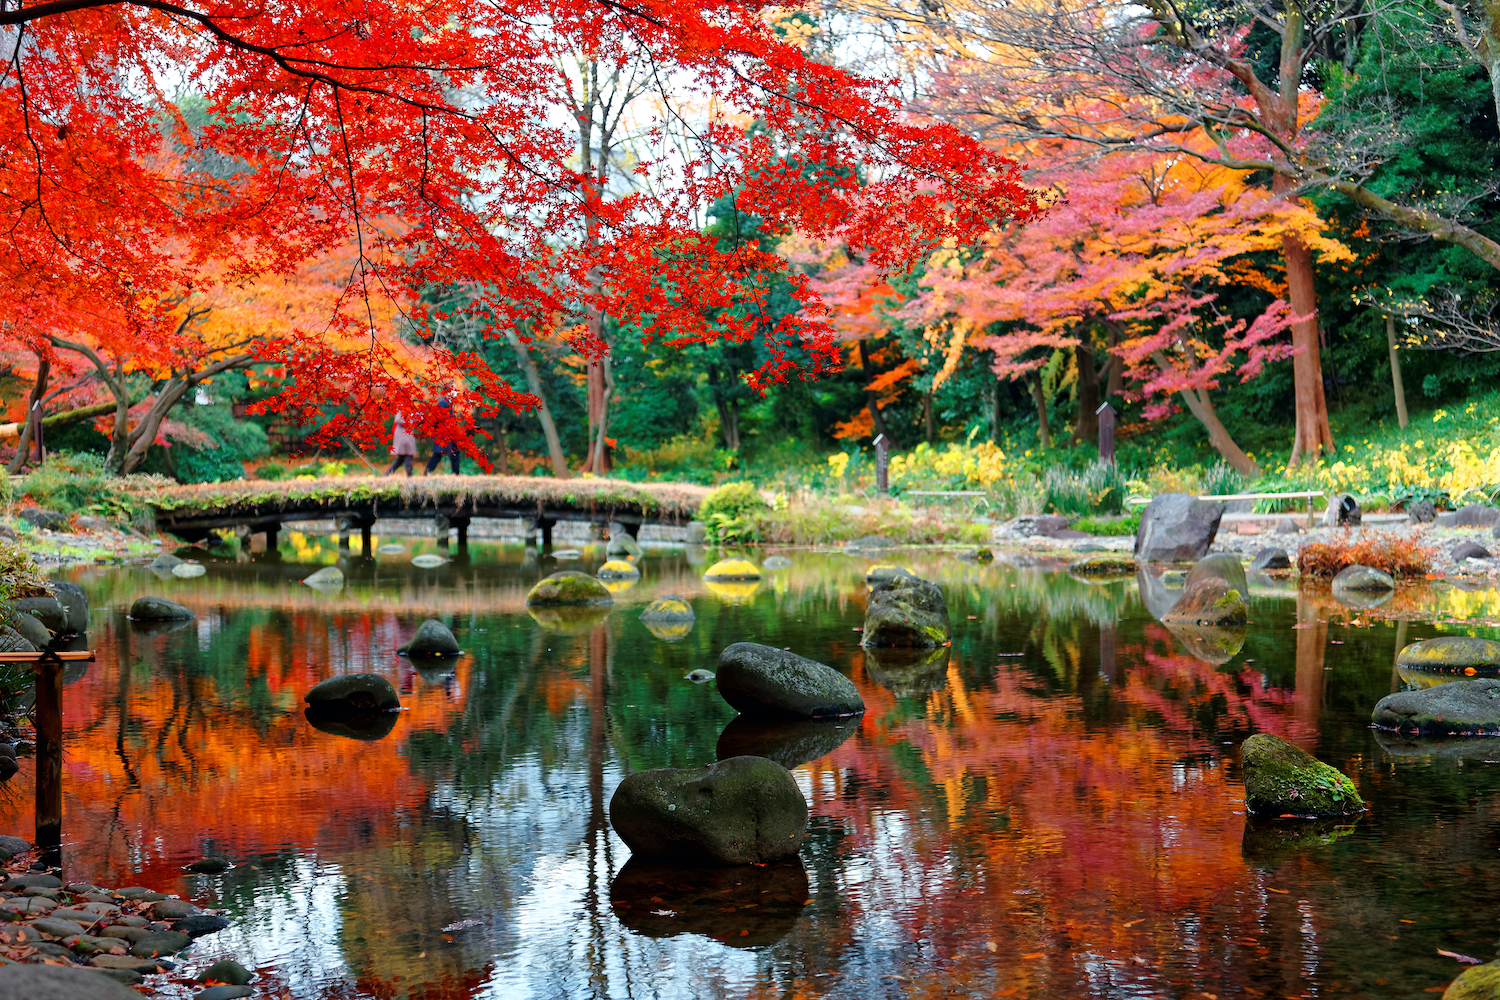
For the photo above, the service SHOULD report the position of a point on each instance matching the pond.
(1053, 810)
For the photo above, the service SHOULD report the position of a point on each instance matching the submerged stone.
(569, 587)
(775, 562)
(433, 638)
(740, 811)
(765, 682)
(1209, 602)
(732, 570)
(158, 609)
(618, 569)
(1458, 708)
(1283, 780)
(906, 611)
(353, 692)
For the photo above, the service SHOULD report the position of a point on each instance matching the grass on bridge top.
(680, 499)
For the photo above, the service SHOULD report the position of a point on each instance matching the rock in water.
(226, 971)
(906, 611)
(1452, 653)
(740, 811)
(56, 982)
(569, 587)
(165, 561)
(391, 549)
(209, 866)
(1219, 566)
(12, 641)
(670, 608)
(1469, 550)
(1280, 779)
(189, 570)
(1478, 982)
(883, 572)
(618, 569)
(1270, 559)
(75, 603)
(158, 609)
(1209, 602)
(428, 561)
(433, 638)
(1343, 509)
(1363, 579)
(31, 630)
(330, 577)
(769, 683)
(47, 610)
(1103, 566)
(1459, 708)
(699, 676)
(1176, 527)
(621, 544)
(775, 562)
(353, 693)
(906, 671)
(729, 570)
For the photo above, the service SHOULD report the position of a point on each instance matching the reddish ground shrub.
(1398, 555)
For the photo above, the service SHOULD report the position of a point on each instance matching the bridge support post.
(49, 802)
(364, 539)
(272, 530)
(462, 524)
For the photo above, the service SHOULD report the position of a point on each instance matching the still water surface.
(1055, 811)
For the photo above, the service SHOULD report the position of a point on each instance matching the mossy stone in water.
(618, 569)
(158, 609)
(740, 811)
(726, 570)
(1452, 653)
(670, 608)
(353, 692)
(883, 572)
(769, 683)
(47, 610)
(433, 638)
(32, 630)
(1219, 566)
(569, 587)
(1103, 565)
(1480, 982)
(906, 611)
(1281, 780)
(1209, 602)
(1468, 708)
(1363, 580)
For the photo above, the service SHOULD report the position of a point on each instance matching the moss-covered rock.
(1219, 566)
(1283, 780)
(1363, 580)
(1479, 982)
(1458, 708)
(670, 608)
(1452, 654)
(1214, 644)
(906, 611)
(740, 811)
(569, 619)
(904, 671)
(730, 570)
(769, 683)
(1209, 602)
(883, 572)
(569, 587)
(1104, 564)
(618, 569)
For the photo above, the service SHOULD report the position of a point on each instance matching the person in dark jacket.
(439, 450)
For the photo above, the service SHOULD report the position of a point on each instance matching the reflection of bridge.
(193, 512)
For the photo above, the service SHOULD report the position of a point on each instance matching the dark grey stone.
(47, 610)
(160, 943)
(223, 993)
(53, 927)
(12, 641)
(32, 630)
(126, 977)
(158, 609)
(1272, 557)
(765, 682)
(433, 638)
(740, 811)
(41, 517)
(75, 603)
(1288, 526)
(1219, 566)
(38, 881)
(226, 971)
(171, 909)
(356, 692)
(1176, 527)
(165, 561)
(789, 744)
(208, 866)
(56, 982)
(1421, 512)
(1344, 510)
(124, 933)
(1473, 515)
(1470, 708)
(199, 924)
(1363, 579)
(906, 611)
(1468, 550)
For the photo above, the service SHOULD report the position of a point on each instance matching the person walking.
(403, 446)
(439, 450)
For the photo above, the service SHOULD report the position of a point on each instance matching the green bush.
(207, 465)
(1100, 488)
(733, 513)
(1125, 524)
(79, 484)
(272, 472)
(1221, 479)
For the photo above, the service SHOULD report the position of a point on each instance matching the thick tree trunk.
(38, 389)
(1043, 433)
(1115, 386)
(1200, 406)
(1313, 435)
(729, 422)
(995, 411)
(599, 461)
(504, 459)
(534, 385)
(1390, 342)
(1086, 427)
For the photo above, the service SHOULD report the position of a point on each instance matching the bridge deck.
(192, 512)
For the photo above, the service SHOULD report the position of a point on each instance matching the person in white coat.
(403, 446)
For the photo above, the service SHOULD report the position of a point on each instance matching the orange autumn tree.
(325, 118)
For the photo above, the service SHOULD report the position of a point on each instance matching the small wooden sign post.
(882, 464)
(1106, 414)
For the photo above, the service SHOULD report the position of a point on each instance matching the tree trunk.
(1115, 386)
(119, 387)
(729, 422)
(927, 414)
(534, 384)
(38, 389)
(1198, 404)
(877, 420)
(599, 461)
(504, 461)
(1390, 343)
(1086, 427)
(1313, 435)
(995, 411)
(1043, 434)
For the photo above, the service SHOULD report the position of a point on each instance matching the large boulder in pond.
(769, 683)
(1451, 654)
(732, 571)
(47, 610)
(569, 587)
(1359, 579)
(158, 609)
(1209, 602)
(75, 604)
(58, 982)
(1219, 566)
(433, 638)
(906, 611)
(352, 693)
(740, 811)
(34, 631)
(1282, 780)
(1176, 527)
(1459, 708)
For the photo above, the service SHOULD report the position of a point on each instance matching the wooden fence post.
(882, 464)
(48, 671)
(1106, 415)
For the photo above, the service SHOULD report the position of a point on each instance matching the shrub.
(733, 512)
(1099, 489)
(206, 465)
(272, 471)
(1221, 479)
(1126, 524)
(1397, 555)
(79, 484)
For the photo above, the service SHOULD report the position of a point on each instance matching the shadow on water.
(743, 907)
